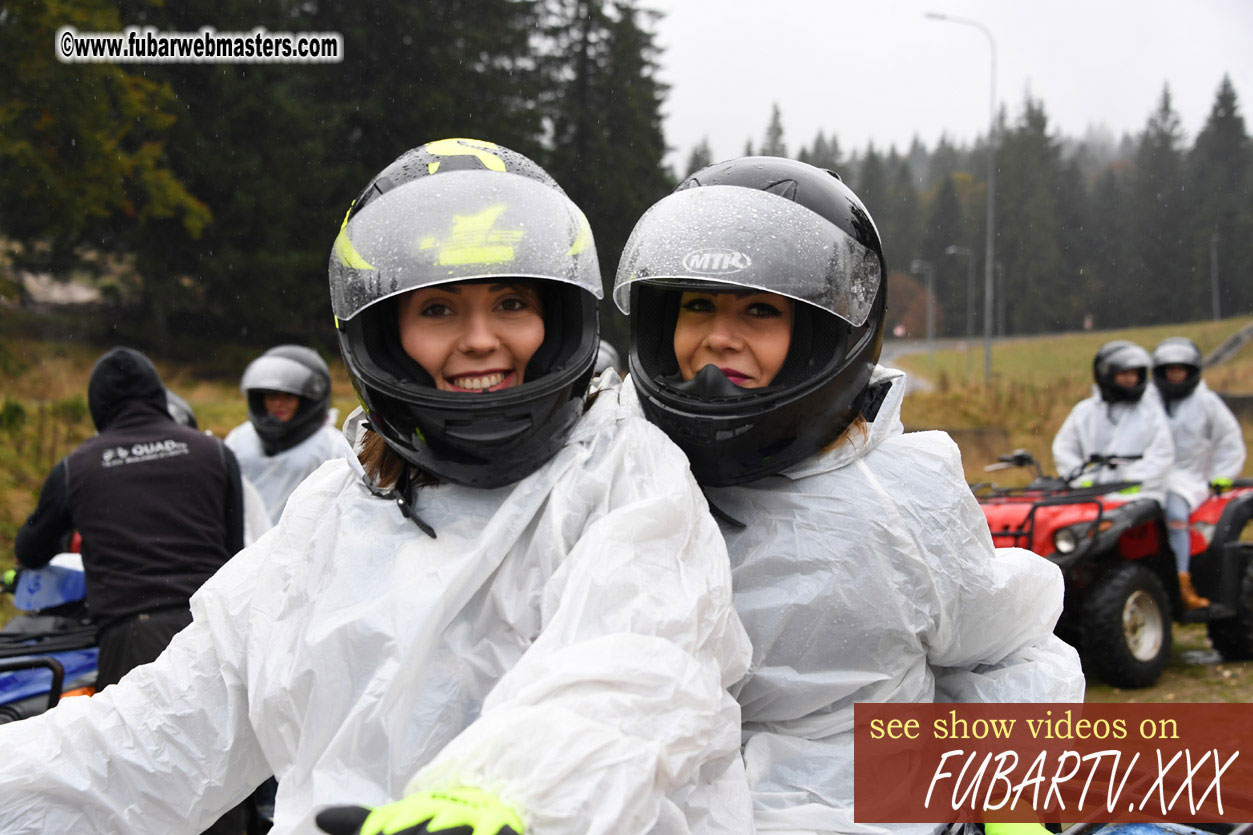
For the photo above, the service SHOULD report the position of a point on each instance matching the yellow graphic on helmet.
(474, 241)
(583, 237)
(345, 251)
(465, 147)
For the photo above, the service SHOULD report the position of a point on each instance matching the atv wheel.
(1233, 637)
(1126, 627)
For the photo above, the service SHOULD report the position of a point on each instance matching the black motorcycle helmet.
(1177, 350)
(761, 224)
(180, 409)
(289, 369)
(455, 211)
(1113, 358)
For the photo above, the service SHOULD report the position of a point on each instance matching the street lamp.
(987, 280)
(927, 269)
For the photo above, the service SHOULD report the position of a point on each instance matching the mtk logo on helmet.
(716, 261)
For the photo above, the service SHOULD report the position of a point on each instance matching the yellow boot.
(1191, 600)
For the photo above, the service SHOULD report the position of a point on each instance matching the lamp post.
(927, 269)
(989, 253)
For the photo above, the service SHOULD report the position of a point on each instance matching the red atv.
(1122, 590)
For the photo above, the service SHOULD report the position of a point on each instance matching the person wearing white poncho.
(863, 568)
(1209, 447)
(291, 427)
(1123, 418)
(525, 608)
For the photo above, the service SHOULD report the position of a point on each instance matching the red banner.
(941, 763)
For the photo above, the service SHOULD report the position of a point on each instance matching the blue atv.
(50, 650)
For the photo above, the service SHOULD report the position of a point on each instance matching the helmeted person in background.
(606, 358)
(1123, 417)
(159, 506)
(520, 618)
(1209, 447)
(863, 568)
(287, 435)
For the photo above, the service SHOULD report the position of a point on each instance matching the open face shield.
(460, 226)
(271, 373)
(727, 237)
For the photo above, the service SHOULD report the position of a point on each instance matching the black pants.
(136, 641)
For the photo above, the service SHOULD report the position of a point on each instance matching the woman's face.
(1176, 373)
(1127, 379)
(472, 337)
(746, 335)
(281, 405)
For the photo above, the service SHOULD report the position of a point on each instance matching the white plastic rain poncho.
(1208, 444)
(867, 573)
(276, 476)
(1095, 427)
(565, 642)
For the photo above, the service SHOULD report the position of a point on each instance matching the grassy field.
(43, 415)
(1035, 384)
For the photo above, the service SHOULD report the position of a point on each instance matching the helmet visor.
(1177, 352)
(728, 235)
(282, 374)
(460, 226)
(1123, 357)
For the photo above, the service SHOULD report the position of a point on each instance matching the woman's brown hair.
(384, 466)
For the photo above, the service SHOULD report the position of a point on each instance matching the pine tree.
(945, 228)
(700, 157)
(1220, 180)
(608, 142)
(772, 145)
(1028, 226)
(1160, 266)
(1107, 267)
(826, 153)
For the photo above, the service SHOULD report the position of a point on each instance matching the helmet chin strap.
(708, 384)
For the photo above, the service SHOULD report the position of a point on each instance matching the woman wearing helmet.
(1121, 419)
(863, 567)
(1209, 447)
(289, 432)
(515, 620)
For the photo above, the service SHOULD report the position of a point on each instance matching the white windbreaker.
(564, 642)
(1208, 444)
(867, 573)
(1100, 428)
(276, 476)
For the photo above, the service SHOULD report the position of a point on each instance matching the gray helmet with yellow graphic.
(454, 211)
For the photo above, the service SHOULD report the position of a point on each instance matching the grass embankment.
(1036, 382)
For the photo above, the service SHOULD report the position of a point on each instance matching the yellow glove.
(461, 811)
(1221, 484)
(1129, 491)
(1015, 829)
(1087, 482)
(8, 580)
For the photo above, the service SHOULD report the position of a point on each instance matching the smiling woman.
(475, 336)
(745, 336)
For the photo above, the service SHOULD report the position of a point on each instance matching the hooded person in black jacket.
(159, 506)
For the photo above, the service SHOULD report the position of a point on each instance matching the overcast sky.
(879, 70)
